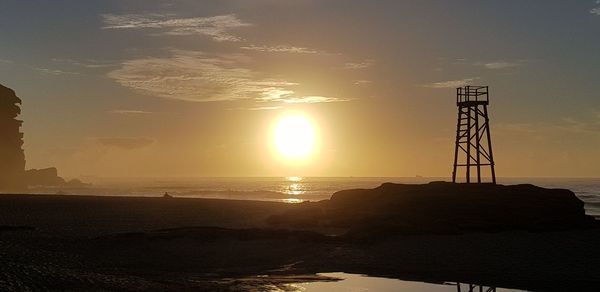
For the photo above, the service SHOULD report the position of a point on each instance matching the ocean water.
(294, 189)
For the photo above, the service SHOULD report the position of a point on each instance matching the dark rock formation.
(76, 183)
(43, 177)
(13, 176)
(442, 208)
(49, 177)
(11, 141)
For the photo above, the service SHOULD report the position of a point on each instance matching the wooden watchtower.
(473, 149)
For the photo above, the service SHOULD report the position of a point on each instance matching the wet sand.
(129, 244)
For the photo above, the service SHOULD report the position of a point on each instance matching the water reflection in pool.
(356, 283)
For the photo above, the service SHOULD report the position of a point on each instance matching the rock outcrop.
(442, 208)
(43, 177)
(12, 157)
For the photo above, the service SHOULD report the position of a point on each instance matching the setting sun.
(294, 137)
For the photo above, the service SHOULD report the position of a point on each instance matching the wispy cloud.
(311, 99)
(362, 82)
(6, 61)
(280, 49)
(289, 96)
(500, 65)
(90, 63)
(596, 10)
(216, 27)
(451, 83)
(359, 65)
(590, 125)
(258, 108)
(55, 72)
(524, 128)
(195, 76)
(130, 112)
(126, 143)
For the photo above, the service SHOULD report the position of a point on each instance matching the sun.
(294, 137)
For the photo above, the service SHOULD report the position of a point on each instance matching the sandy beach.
(125, 244)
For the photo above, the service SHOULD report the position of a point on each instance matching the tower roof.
(472, 95)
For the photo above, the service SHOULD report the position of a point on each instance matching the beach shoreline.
(142, 243)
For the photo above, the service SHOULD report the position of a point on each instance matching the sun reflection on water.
(292, 200)
(294, 187)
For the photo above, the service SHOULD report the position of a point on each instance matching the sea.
(292, 189)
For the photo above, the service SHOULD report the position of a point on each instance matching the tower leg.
(477, 145)
(469, 144)
(456, 146)
(489, 140)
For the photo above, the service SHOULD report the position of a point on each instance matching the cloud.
(6, 61)
(55, 72)
(289, 96)
(360, 65)
(258, 108)
(590, 125)
(280, 49)
(362, 82)
(130, 112)
(195, 76)
(500, 65)
(452, 83)
(586, 123)
(524, 128)
(216, 27)
(311, 99)
(565, 126)
(90, 63)
(596, 10)
(126, 143)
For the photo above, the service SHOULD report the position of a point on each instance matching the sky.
(182, 88)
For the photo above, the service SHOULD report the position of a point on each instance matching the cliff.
(13, 176)
(11, 141)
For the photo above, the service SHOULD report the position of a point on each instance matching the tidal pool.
(358, 283)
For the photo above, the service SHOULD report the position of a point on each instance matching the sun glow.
(294, 137)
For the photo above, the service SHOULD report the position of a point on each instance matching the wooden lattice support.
(473, 147)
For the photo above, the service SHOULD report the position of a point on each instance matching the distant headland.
(13, 176)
